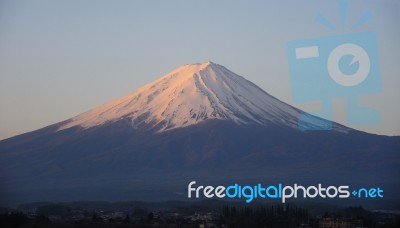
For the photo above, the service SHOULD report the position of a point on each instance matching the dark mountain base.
(117, 162)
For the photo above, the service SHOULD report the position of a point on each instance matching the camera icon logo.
(342, 66)
(359, 56)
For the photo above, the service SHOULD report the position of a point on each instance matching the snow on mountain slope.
(189, 95)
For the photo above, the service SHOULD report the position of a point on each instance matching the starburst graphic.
(343, 6)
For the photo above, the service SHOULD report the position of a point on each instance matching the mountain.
(199, 122)
(189, 95)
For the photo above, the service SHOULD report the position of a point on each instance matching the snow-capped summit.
(189, 95)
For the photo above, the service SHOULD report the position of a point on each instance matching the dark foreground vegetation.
(200, 214)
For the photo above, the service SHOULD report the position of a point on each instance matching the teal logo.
(341, 66)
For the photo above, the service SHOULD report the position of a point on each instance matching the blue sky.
(61, 58)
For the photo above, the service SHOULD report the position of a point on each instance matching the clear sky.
(61, 58)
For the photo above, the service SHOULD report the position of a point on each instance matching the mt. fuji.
(189, 95)
(199, 122)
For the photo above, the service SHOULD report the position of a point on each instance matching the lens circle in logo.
(359, 54)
